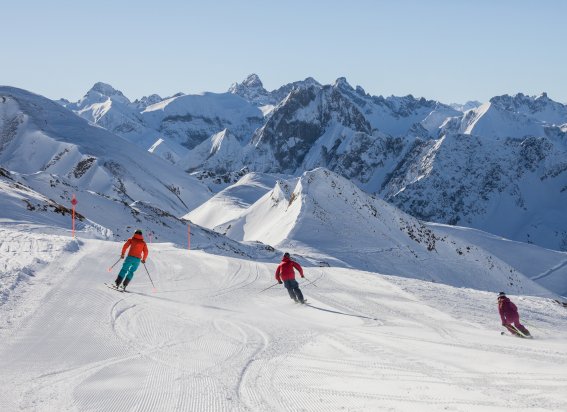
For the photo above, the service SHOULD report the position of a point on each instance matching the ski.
(520, 333)
(113, 287)
(516, 335)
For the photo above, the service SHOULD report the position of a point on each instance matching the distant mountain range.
(306, 174)
(499, 166)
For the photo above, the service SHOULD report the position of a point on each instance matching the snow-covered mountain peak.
(540, 107)
(106, 90)
(514, 116)
(333, 192)
(252, 90)
(147, 101)
(253, 80)
(308, 82)
(342, 83)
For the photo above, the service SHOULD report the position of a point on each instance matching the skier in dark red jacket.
(509, 315)
(285, 272)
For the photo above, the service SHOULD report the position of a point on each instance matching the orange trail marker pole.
(115, 263)
(73, 203)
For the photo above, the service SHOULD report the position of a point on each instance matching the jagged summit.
(106, 90)
(342, 82)
(514, 116)
(148, 101)
(253, 81)
(252, 90)
(541, 107)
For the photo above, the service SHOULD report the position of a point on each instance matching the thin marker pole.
(73, 203)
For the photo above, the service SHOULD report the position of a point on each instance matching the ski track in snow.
(207, 340)
(550, 271)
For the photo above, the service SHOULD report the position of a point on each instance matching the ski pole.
(149, 276)
(269, 287)
(310, 282)
(115, 263)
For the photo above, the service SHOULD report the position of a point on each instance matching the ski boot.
(124, 284)
(118, 281)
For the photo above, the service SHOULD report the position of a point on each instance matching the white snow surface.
(208, 338)
(231, 202)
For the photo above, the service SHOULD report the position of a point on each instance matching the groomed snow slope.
(207, 340)
(232, 201)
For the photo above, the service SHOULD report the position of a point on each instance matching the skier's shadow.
(340, 313)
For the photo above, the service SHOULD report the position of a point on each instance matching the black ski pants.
(293, 289)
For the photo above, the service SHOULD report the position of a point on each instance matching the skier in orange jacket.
(138, 253)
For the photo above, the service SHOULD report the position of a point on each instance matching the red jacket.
(138, 247)
(285, 270)
(508, 311)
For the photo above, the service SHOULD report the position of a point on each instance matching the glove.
(303, 276)
(121, 256)
(143, 261)
(280, 282)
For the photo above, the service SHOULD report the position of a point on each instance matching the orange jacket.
(138, 247)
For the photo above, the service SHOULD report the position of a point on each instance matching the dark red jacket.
(285, 270)
(508, 311)
(138, 247)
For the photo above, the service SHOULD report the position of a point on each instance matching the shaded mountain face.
(303, 118)
(512, 187)
(428, 158)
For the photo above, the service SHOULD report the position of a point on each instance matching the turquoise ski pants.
(129, 266)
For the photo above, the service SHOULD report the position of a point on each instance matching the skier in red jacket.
(138, 253)
(509, 315)
(285, 272)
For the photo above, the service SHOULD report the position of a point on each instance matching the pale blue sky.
(451, 51)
